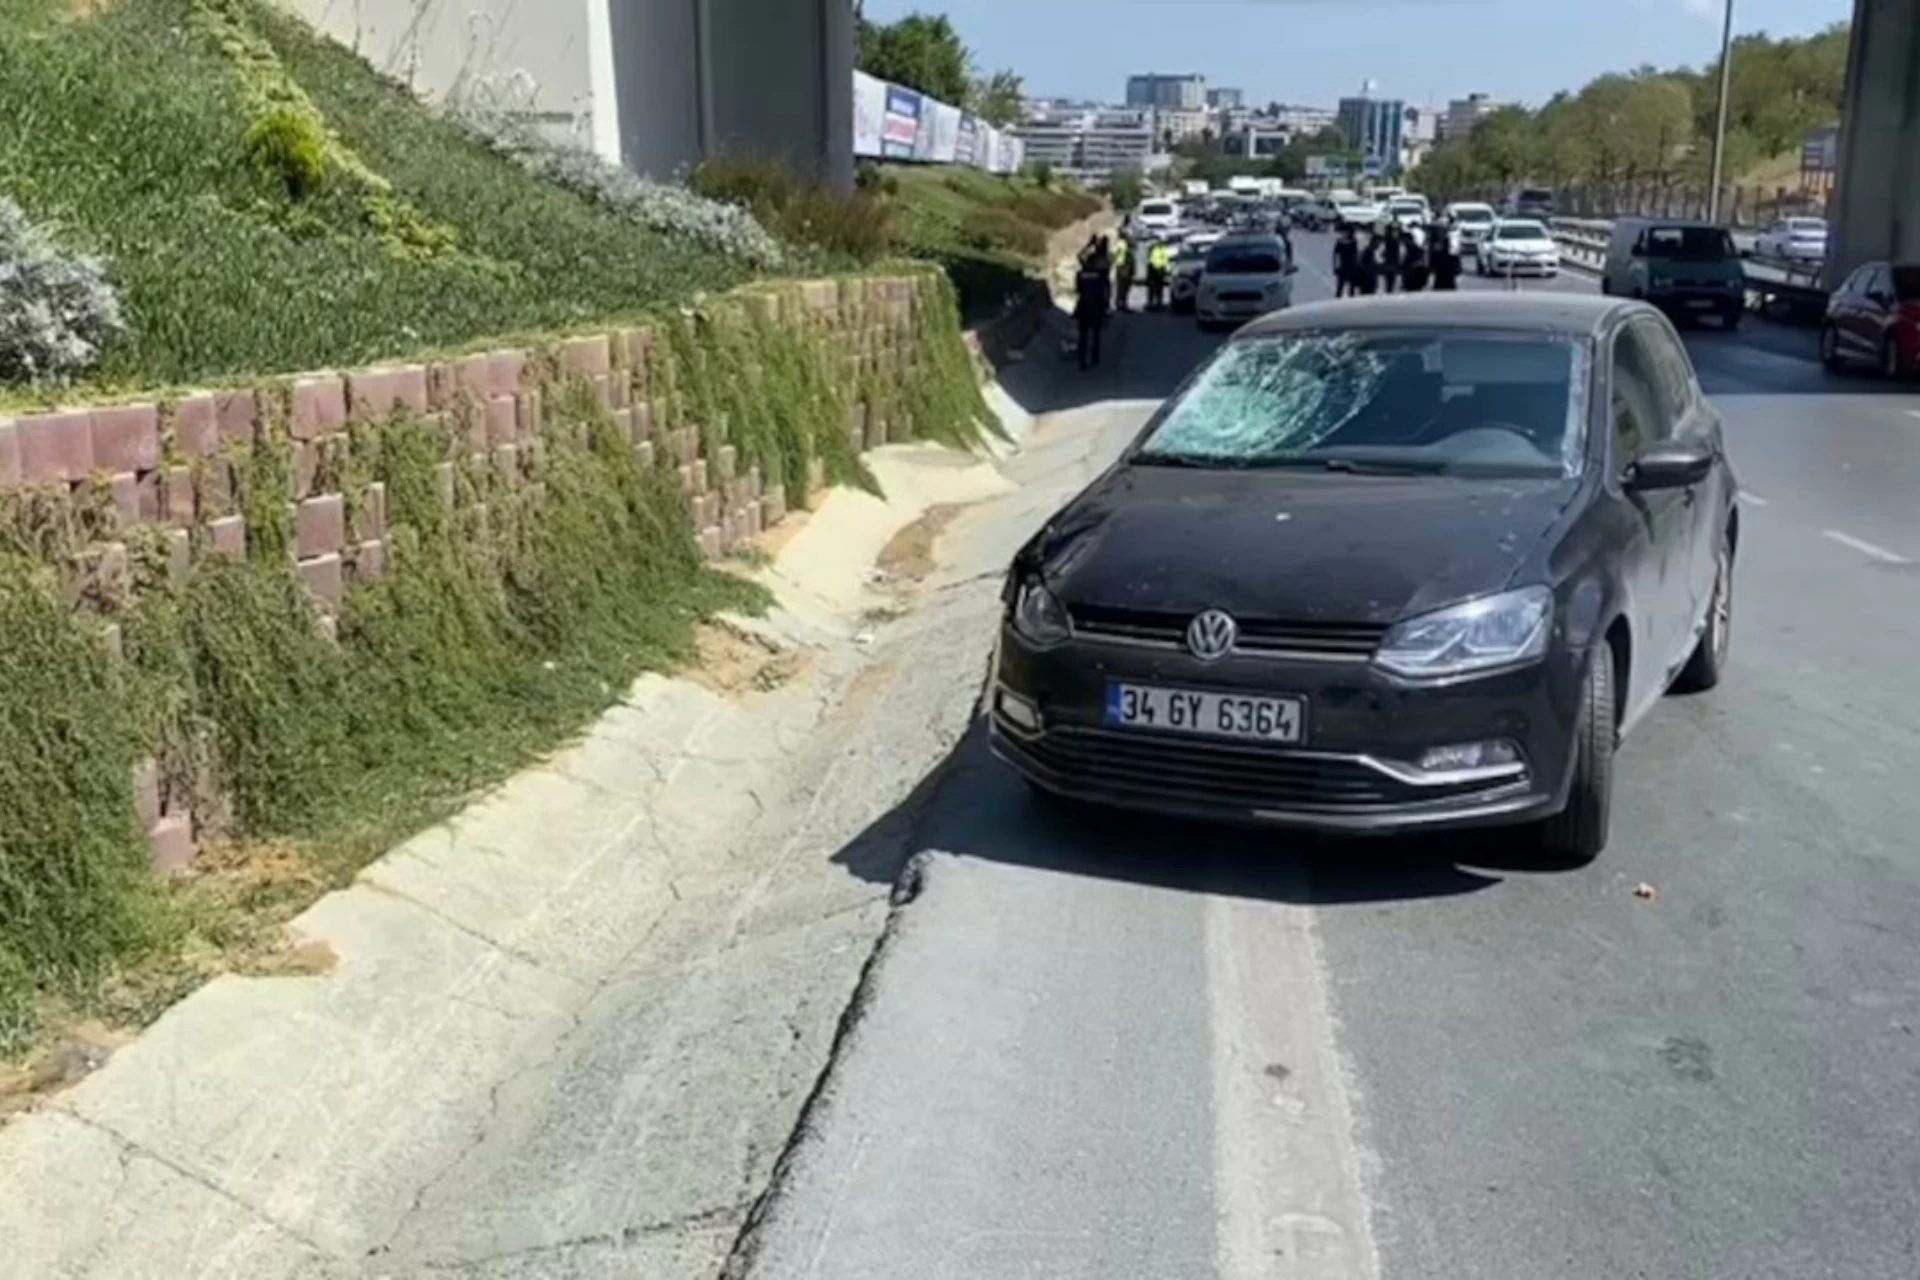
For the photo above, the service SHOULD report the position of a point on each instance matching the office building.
(1226, 99)
(1089, 145)
(1376, 128)
(1463, 114)
(1178, 92)
(1304, 122)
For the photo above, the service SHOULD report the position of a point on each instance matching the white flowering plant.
(57, 309)
(488, 111)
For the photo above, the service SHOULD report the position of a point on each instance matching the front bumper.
(1523, 266)
(1353, 772)
(1682, 300)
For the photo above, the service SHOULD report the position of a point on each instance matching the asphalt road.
(1107, 1047)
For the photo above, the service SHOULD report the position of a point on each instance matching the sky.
(1312, 52)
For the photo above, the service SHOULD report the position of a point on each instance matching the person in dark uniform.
(1443, 257)
(1366, 268)
(1093, 295)
(1392, 254)
(1123, 271)
(1414, 261)
(1346, 264)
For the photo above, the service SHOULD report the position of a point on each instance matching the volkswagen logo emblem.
(1211, 635)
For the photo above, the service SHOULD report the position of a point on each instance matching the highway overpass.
(1876, 209)
(653, 84)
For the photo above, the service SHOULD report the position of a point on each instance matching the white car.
(1471, 222)
(1793, 240)
(1244, 277)
(1156, 216)
(1410, 211)
(1358, 213)
(1519, 246)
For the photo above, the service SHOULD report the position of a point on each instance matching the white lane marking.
(1881, 554)
(1288, 1175)
(1752, 499)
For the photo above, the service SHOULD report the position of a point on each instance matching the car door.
(1841, 306)
(1870, 312)
(1694, 419)
(1657, 569)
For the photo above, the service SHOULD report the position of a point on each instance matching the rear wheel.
(1709, 661)
(1575, 836)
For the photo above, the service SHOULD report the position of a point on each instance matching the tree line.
(1653, 126)
(925, 52)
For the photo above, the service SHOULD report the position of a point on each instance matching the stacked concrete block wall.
(161, 472)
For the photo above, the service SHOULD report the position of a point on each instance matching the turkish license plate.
(1255, 717)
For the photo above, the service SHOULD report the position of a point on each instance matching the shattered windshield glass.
(1480, 402)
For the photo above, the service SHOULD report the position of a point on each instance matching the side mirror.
(1673, 465)
(1293, 268)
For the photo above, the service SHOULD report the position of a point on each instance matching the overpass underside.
(770, 78)
(1877, 203)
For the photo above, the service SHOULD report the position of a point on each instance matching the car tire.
(1830, 348)
(1575, 836)
(1890, 366)
(1708, 663)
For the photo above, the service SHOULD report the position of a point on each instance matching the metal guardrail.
(1771, 284)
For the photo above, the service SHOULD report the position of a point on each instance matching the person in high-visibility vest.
(1122, 272)
(1159, 266)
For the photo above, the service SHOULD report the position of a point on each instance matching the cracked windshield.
(952, 639)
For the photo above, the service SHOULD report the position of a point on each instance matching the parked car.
(1243, 277)
(1223, 624)
(1518, 247)
(1873, 318)
(1684, 268)
(1798, 241)
(1471, 222)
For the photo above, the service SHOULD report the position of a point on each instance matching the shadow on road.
(1147, 356)
(972, 805)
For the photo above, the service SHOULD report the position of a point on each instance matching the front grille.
(1187, 771)
(1257, 635)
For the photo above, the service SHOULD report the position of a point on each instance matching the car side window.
(1675, 384)
(1634, 381)
(1878, 282)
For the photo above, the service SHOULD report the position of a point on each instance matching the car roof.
(1573, 315)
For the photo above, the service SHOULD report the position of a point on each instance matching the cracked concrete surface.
(572, 1028)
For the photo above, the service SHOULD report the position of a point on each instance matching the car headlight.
(1494, 631)
(1039, 617)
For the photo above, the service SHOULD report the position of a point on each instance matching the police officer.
(1414, 261)
(1443, 257)
(1093, 291)
(1346, 263)
(1159, 267)
(1123, 271)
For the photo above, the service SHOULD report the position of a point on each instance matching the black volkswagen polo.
(1384, 564)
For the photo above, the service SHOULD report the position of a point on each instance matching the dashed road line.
(1881, 554)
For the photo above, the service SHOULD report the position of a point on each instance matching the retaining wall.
(102, 490)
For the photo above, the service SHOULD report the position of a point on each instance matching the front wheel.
(1575, 836)
(1708, 663)
(1830, 347)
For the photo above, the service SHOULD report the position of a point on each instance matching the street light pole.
(1720, 124)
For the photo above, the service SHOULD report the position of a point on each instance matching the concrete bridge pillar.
(1876, 207)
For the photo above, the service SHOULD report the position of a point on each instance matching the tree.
(919, 52)
(996, 99)
(1126, 187)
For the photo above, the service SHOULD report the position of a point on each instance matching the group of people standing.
(1109, 270)
(1393, 258)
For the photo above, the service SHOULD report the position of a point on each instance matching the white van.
(1157, 216)
(1244, 277)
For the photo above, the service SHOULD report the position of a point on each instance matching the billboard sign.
(901, 127)
(869, 114)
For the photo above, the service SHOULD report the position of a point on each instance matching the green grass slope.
(128, 131)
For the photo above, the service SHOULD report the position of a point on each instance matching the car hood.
(1293, 546)
(1526, 246)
